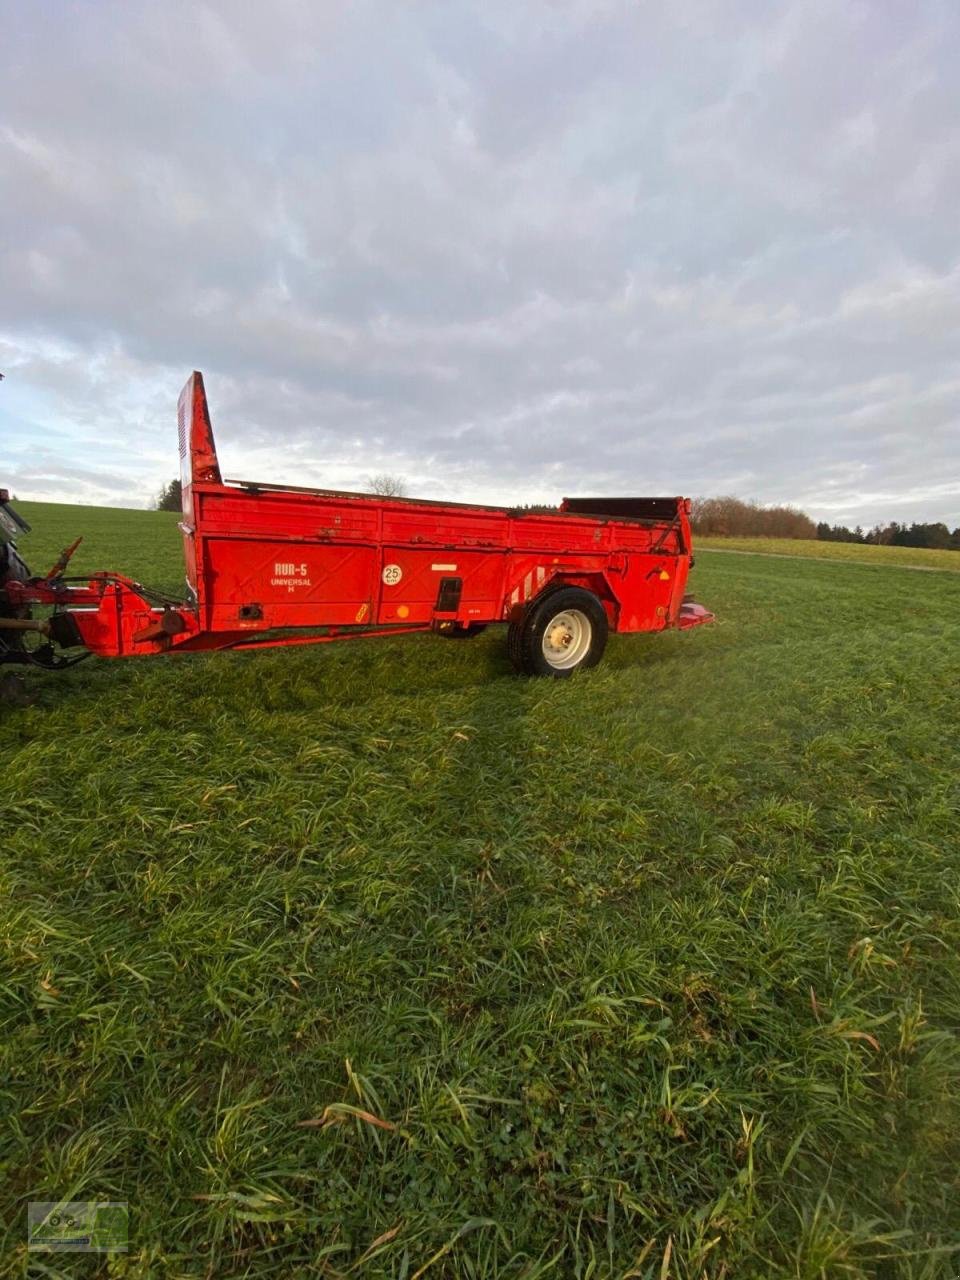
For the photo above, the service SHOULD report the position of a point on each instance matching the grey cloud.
(507, 251)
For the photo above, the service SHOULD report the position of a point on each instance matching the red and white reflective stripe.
(532, 583)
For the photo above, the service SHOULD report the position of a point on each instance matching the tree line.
(732, 517)
(935, 535)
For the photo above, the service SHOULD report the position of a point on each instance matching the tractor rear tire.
(562, 632)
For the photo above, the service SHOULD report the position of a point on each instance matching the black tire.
(561, 632)
(464, 633)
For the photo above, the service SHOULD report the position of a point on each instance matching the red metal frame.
(263, 560)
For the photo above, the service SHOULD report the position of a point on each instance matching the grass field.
(853, 552)
(379, 961)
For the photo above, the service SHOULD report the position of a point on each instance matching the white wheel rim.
(566, 639)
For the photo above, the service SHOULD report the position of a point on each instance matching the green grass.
(145, 545)
(653, 972)
(854, 552)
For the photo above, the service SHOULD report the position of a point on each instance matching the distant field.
(920, 557)
(650, 973)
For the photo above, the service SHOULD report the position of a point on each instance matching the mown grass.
(855, 552)
(653, 972)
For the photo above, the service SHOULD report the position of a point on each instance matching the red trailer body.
(267, 564)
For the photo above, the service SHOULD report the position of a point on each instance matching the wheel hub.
(560, 636)
(566, 639)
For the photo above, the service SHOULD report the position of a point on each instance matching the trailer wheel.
(563, 632)
(464, 633)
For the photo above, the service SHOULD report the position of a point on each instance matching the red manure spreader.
(271, 565)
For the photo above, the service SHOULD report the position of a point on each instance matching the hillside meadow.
(849, 552)
(377, 960)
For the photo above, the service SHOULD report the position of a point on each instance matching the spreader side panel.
(420, 585)
(260, 583)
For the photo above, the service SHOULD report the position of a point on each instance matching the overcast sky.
(509, 251)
